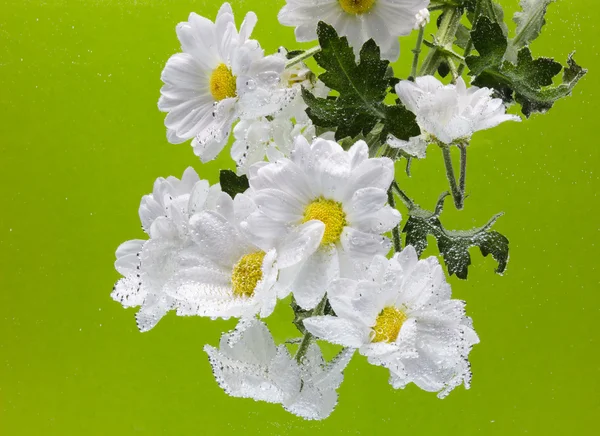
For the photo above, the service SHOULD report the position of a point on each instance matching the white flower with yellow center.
(358, 20)
(447, 113)
(230, 276)
(221, 75)
(401, 316)
(248, 364)
(150, 266)
(326, 209)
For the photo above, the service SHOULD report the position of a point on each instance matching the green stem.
(462, 181)
(450, 176)
(443, 39)
(467, 52)
(453, 70)
(308, 337)
(417, 53)
(402, 196)
(302, 56)
(395, 230)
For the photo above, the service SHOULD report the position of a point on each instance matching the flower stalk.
(456, 193)
(443, 39)
(303, 56)
(308, 337)
(417, 53)
(396, 230)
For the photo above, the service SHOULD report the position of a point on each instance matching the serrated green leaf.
(454, 244)
(528, 82)
(530, 21)
(233, 184)
(490, 43)
(362, 89)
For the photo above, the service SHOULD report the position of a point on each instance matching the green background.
(81, 140)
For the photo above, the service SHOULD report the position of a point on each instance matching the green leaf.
(529, 81)
(463, 36)
(362, 89)
(490, 43)
(529, 25)
(491, 10)
(233, 184)
(454, 244)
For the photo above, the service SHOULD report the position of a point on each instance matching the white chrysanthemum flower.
(401, 316)
(447, 113)
(358, 20)
(326, 208)
(231, 276)
(150, 266)
(248, 364)
(422, 18)
(221, 75)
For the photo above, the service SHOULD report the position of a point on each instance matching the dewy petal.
(314, 275)
(217, 238)
(337, 330)
(318, 396)
(415, 146)
(300, 243)
(249, 365)
(128, 256)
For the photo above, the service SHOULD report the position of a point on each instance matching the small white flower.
(221, 75)
(358, 20)
(150, 266)
(422, 18)
(326, 210)
(248, 364)
(401, 316)
(447, 113)
(255, 139)
(231, 276)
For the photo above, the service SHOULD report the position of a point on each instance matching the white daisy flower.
(150, 266)
(401, 316)
(447, 113)
(231, 276)
(326, 210)
(221, 75)
(248, 364)
(358, 20)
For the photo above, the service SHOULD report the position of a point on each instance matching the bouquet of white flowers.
(311, 210)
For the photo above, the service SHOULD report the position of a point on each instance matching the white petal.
(337, 330)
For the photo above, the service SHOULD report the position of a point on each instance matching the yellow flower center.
(331, 214)
(356, 7)
(247, 273)
(388, 324)
(222, 83)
